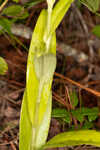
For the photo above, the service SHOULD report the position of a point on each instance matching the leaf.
(93, 114)
(33, 3)
(92, 5)
(15, 1)
(73, 138)
(12, 10)
(36, 106)
(3, 66)
(16, 11)
(96, 31)
(87, 125)
(27, 130)
(6, 24)
(25, 125)
(58, 13)
(44, 61)
(37, 101)
(67, 119)
(73, 98)
(80, 113)
(61, 113)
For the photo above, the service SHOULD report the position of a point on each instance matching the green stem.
(47, 35)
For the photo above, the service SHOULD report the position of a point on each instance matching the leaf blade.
(3, 66)
(38, 88)
(74, 138)
(58, 12)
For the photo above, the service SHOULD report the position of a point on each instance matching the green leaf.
(16, 11)
(93, 114)
(3, 66)
(36, 106)
(96, 31)
(13, 10)
(73, 98)
(87, 125)
(80, 113)
(92, 5)
(32, 3)
(27, 130)
(58, 13)
(25, 125)
(67, 119)
(61, 113)
(44, 61)
(73, 138)
(15, 1)
(6, 24)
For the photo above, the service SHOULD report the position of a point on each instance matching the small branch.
(96, 93)
(3, 5)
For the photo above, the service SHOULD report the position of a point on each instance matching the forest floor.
(78, 70)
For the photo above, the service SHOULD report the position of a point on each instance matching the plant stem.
(47, 35)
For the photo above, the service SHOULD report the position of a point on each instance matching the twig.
(7, 143)
(78, 84)
(17, 91)
(3, 5)
(9, 99)
(12, 145)
(59, 99)
(14, 123)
